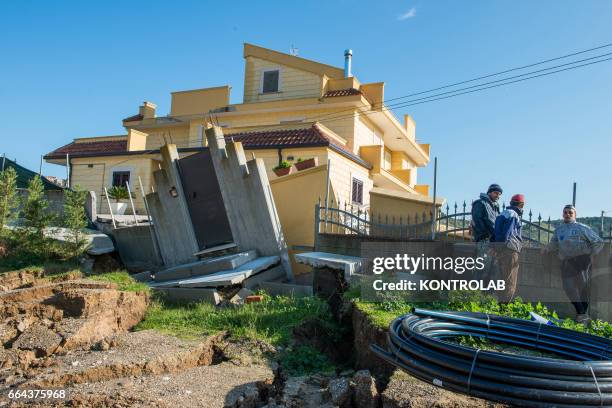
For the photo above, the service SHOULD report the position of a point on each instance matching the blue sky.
(75, 69)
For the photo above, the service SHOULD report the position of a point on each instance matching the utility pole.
(434, 213)
(601, 226)
(574, 195)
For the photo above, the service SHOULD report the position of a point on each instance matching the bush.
(35, 216)
(75, 219)
(8, 196)
(283, 165)
(118, 193)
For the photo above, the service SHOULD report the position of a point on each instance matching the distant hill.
(593, 222)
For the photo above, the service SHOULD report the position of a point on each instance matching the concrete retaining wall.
(539, 276)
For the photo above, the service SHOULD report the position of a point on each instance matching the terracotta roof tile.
(85, 149)
(342, 92)
(311, 136)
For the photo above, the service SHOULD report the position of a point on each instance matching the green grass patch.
(271, 320)
(123, 280)
(381, 314)
(304, 360)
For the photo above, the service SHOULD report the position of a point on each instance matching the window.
(357, 191)
(269, 81)
(387, 164)
(120, 178)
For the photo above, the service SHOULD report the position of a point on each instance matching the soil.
(75, 335)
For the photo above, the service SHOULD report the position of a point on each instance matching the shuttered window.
(270, 81)
(357, 191)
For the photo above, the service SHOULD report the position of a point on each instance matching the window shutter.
(270, 81)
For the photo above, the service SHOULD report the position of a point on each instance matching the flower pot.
(306, 164)
(118, 208)
(283, 171)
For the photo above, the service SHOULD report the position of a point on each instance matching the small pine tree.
(8, 196)
(75, 218)
(34, 211)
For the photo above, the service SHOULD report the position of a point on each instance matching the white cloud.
(409, 14)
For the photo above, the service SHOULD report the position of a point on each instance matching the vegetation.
(282, 165)
(382, 313)
(118, 193)
(271, 320)
(8, 196)
(305, 360)
(123, 280)
(75, 219)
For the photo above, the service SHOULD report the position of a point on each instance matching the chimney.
(147, 110)
(348, 56)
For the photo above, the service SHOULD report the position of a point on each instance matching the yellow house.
(292, 109)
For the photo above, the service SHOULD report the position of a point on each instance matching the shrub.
(75, 219)
(34, 211)
(118, 193)
(283, 165)
(8, 195)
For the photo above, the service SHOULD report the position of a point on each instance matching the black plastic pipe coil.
(418, 344)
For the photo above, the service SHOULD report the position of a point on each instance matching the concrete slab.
(349, 264)
(96, 242)
(274, 273)
(223, 278)
(286, 289)
(142, 276)
(206, 266)
(191, 295)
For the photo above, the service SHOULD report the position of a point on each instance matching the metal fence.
(450, 223)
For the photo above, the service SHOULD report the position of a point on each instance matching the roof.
(89, 149)
(342, 92)
(292, 61)
(287, 138)
(133, 118)
(264, 139)
(25, 175)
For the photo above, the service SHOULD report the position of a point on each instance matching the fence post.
(316, 223)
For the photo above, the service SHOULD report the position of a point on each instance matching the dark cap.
(495, 187)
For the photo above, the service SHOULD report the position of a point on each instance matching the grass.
(271, 320)
(123, 280)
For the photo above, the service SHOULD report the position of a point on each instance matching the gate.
(204, 200)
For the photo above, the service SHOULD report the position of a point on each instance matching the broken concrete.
(223, 278)
(191, 295)
(286, 289)
(348, 264)
(206, 266)
(40, 339)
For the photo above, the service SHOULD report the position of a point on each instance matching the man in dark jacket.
(508, 242)
(484, 212)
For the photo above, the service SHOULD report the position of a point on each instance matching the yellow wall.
(270, 157)
(99, 175)
(293, 83)
(296, 196)
(396, 204)
(342, 172)
(199, 101)
(179, 135)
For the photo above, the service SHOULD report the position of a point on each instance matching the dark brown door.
(204, 200)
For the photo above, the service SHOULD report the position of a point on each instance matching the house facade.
(292, 109)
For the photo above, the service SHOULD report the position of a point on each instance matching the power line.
(481, 77)
(479, 87)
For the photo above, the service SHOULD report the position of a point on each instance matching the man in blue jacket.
(508, 244)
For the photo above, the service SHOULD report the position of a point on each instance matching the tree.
(8, 196)
(75, 218)
(34, 211)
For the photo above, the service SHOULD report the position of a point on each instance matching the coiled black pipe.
(418, 343)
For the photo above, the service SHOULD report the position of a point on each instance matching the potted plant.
(282, 169)
(306, 164)
(118, 193)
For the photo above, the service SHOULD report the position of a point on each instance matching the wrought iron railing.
(451, 224)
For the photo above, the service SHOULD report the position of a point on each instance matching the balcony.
(388, 175)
